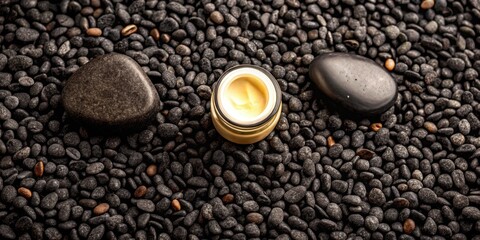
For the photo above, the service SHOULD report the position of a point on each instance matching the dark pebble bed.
(410, 173)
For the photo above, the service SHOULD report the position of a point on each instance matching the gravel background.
(319, 175)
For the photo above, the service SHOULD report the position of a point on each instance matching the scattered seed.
(97, 13)
(165, 38)
(376, 126)
(228, 198)
(95, 3)
(129, 29)
(427, 4)
(408, 226)
(365, 153)
(39, 168)
(25, 192)
(155, 34)
(94, 32)
(87, 11)
(431, 127)
(330, 141)
(216, 17)
(390, 64)
(176, 205)
(101, 209)
(140, 191)
(151, 170)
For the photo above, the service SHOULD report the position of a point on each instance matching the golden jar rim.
(242, 129)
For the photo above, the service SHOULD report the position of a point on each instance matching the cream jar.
(246, 104)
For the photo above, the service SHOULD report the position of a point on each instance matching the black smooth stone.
(111, 93)
(357, 83)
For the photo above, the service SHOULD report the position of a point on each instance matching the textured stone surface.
(355, 82)
(111, 92)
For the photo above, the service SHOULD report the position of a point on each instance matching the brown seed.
(165, 38)
(330, 141)
(401, 202)
(86, 11)
(431, 127)
(25, 192)
(97, 13)
(101, 209)
(155, 34)
(365, 153)
(39, 168)
(390, 64)
(95, 3)
(128, 30)
(176, 205)
(255, 217)
(228, 198)
(49, 27)
(94, 32)
(427, 4)
(152, 170)
(140, 192)
(408, 226)
(217, 17)
(376, 126)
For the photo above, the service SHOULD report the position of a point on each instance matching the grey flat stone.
(111, 93)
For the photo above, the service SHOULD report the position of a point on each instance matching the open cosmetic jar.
(246, 104)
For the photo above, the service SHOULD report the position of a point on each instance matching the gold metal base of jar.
(243, 135)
